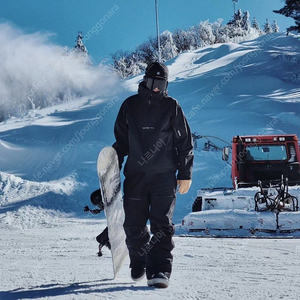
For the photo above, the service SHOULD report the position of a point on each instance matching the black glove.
(93, 211)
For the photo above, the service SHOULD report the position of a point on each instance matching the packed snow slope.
(47, 157)
(48, 170)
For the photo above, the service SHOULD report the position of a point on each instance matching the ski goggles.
(152, 83)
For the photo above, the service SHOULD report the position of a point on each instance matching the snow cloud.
(35, 73)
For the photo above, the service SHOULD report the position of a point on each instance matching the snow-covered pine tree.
(255, 25)
(235, 29)
(291, 9)
(267, 27)
(274, 26)
(79, 47)
(168, 47)
(246, 24)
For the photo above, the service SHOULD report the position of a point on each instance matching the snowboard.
(110, 186)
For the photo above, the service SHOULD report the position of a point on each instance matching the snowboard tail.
(110, 185)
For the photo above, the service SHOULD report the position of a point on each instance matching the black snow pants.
(150, 197)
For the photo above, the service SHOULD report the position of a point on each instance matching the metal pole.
(234, 2)
(157, 32)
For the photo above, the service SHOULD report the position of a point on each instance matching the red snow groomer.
(265, 171)
(264, 158)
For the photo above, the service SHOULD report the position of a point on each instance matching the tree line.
(205, 33)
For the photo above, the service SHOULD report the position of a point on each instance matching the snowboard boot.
(159, 280)
(107, 244)
(100, 250)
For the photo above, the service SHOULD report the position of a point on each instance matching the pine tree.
(237, 19)
(291, 9)
(239, 26)
(168, 47)
(246, 24)
(79, 47)
(274, 26)
(255, 24)
(267, 27)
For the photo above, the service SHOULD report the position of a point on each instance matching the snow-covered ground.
(58, 261)
(48, 169)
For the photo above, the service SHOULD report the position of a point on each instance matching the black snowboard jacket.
(152, 130)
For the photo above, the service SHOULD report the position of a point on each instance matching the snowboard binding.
(96, 199)
(102, 238)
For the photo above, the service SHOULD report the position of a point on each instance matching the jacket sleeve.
(121, 134)
(183, 144)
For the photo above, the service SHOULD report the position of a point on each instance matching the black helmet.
(157, 70)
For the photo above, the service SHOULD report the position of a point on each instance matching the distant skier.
(153, 132)
(102, 238)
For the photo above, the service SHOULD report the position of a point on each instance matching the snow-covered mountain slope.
(224, 89)
(48, 170)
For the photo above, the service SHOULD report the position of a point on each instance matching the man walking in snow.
(153, 132)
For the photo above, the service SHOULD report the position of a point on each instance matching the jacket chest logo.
(148, 128)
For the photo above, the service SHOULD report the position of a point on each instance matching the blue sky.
(130, 22)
